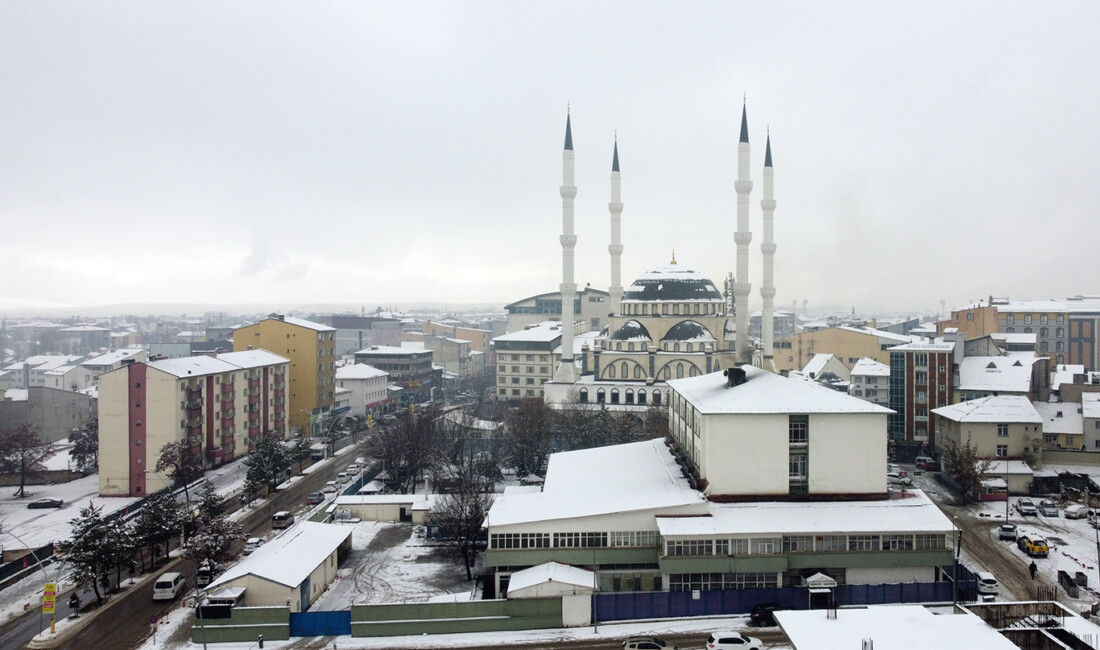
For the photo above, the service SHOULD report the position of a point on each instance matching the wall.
(745, 455)
(245, 625)
(53, 411)
(846, 453)
(456, 618)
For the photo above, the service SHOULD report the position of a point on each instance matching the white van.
(168, 586)
(282, 519)
(987, 584)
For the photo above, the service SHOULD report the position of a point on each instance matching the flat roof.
(252, 358)
(913, 514)
(605, 480)
(765, 392)
(898, 627)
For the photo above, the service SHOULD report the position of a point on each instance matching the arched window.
(693, 371)
(641, 397)
(666, 372)
(610, 371)
(679, 371)
(689, 346)
(1042, 346)
(624, 371)
(656, 398)
(676, 347)
(584, 396)
(614, 395)
(600, 397)
(630, 347)
(1043, 333)
(637, 372)
(629, 396)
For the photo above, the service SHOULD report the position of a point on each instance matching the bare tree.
(964, 467)
(22, 452)
(460, 515)
(531, 428)
(214, 541)
(408, 447)
(180, 462)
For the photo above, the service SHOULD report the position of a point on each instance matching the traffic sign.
(49, 596)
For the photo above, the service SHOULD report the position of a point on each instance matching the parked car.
(1026, 507)
(45, 503)
(1007, 532)
(331, 488)
(1076, 511)
(1048, 508)
(763, 614)
(252, 544)
(929, 465)
(893, 478)
(314, 498)
(168, 586)
(730, 640)
(987, 583)
(1033, 546)
(353, 469)
(647, 643)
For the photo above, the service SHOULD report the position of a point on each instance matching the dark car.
(763, 614)
(45, 503)
(647, 643)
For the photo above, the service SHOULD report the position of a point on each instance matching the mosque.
(672, 322)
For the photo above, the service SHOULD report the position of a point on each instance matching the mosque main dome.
(672, 283)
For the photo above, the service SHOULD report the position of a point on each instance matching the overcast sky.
(373, 153)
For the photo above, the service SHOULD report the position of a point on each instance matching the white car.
(730, 640)
(252, 544)
(894, 478)
(331, 488)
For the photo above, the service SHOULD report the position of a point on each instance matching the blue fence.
(320, 623)
(673, 604)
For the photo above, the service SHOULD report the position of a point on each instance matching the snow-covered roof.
(631, 330)
(301, 322)
(605, 480)
(1003, 467)
(916, 514)
(899, 627)
(84, 328)
(252, 358)
(551, 572)
(764, 392)
(1063, 374)
(1061, 417)
(1011, 374)
(60, 370)
(113, 357)
(672, 283)
(543, 332)
(688, 330)
(359, 371)
(882, 335)
(870, 368)
(385, 499)
(925, 345)
(16, 394)
(995, 408)
(817, 364)
(1015, 338)
(291, 557)
(193, 366)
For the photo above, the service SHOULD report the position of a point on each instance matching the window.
(930, 542)
(1027, 318)
(1002, 451)
(1011, 318)
(580, 540)
(798, 543)
(739, 546)
(897, 542)
(1044, 332)
(970, 316)
(920, 359)
(920, 377)
(1059, 318)
(828, 543)
(1043, 318)
(765, 545)
(611, 371)
(1060, 332)
(863, 542)
(584, 396)
(690, 547)
(797, 466)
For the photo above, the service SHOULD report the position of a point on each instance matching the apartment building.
(311, 349)
(220, 406)
(526, 360)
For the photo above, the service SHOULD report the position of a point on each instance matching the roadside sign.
(152, 620)
(49, 597)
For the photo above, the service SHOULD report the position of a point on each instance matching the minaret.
(616, 247)
(743, 236)
(567, 372)
(767, 292)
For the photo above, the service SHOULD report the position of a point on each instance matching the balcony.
(227, 389)
(253, 383)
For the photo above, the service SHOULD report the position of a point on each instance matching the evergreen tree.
(90, 554)
(267, 465)
(210, 502)
(85, 441)
(214, 541)
(159, 521)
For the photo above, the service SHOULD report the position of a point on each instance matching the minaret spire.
(767, 248)
(742, 237)
(567, 371)
(615, 207)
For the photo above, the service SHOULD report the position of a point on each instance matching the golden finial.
(673, 257)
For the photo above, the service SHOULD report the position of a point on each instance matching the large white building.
(367, 386)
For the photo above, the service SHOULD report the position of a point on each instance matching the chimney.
(734, 376)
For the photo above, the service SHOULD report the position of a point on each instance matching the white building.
(526, 360)
(368, 388)
(870, 380)
(802, 439)
(1000, 426)
(114, 360)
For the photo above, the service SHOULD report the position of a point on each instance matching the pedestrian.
(1033, 569)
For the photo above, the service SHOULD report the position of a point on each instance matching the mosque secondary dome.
(631, 330)
(672, 284)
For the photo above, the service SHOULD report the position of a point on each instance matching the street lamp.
(958, 534)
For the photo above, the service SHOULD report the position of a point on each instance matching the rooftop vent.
(734, 376)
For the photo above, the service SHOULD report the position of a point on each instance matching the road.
(123, 621)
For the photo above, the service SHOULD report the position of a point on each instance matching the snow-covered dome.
(672, 284)
(631, 330)
(688, 330)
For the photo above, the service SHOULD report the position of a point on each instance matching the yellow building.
(311, 348)
(849, 344)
